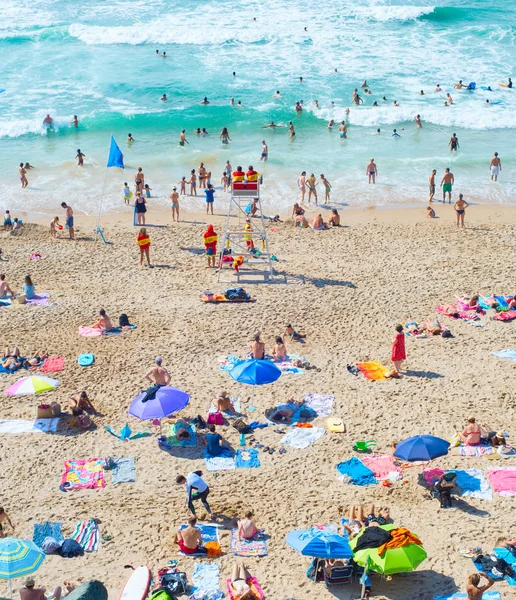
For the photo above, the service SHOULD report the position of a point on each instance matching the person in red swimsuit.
(143, 241)
(398, 354)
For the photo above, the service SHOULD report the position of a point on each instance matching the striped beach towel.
(86, 534)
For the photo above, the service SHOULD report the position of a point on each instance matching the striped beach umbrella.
(18, 558)
(31, 386)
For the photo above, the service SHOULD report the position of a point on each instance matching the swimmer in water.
(417, 119)
(234, 73)
(459, 85)
(75, 121)
(454, 143)
(80, 158)
(271, 125)
(239, 104)
(395, 103)
(437, 88)
(265, 152)
(395, 133)
(377, 132)
(277, 94)
(375, 103)
(301, 79)
(205, 101)
(421, 93)
(164, 98)
(331, 124)
(364, 84)
(197, 131)
(343, 130)
(29, 166)
(316, 103)
(232, 102)
(449, 99)
(384, 99)
(291, 129)
(182, 138)
(48, 120)
(130, 138)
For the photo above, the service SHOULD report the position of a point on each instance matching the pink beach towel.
(445, 309)
(508, 315)
(83, 474)
(382, 466)
(503, 481)
(87, 331)
(464, 303)
(432, 476)
(53, 364)
(252, 583)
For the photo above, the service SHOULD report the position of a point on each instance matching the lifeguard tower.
(244, 252)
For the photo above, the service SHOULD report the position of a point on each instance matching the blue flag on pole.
(116, 158)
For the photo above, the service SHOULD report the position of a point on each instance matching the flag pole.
(100, 205)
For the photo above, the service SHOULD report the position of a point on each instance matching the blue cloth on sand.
(47, 529)
(460, 596)
(510, 354)
(247, 459)
(357, 472)
(123, 470)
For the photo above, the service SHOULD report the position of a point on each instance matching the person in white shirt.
(196, 489)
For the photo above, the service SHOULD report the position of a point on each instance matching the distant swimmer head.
(234, 73)
(164, 97)
(300, 79)
(496, 153)
(157, 51)
(164, 53)
(377, 131)
(421, 93)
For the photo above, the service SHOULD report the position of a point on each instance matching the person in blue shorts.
(210, 198)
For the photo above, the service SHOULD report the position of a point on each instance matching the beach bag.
(49, 545)
(161, 594)
(455, 440)
(56, 409)
(215, 419)
(241, 426)
(175, 583)
(123, 321)
(70, 549)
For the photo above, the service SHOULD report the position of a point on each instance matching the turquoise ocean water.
(97, 59)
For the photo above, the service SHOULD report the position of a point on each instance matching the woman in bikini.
(279, 351)
(472, 433)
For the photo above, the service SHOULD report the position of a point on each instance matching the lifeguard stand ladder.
(256, 264)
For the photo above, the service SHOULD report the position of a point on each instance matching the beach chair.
(340, 575)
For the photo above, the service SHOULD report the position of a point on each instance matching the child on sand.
(182, 189)
(398, 354)
(225, 181)
(210, 243)
(430, 213)
(143, 241)
(294, 335)
(246, 527)
(54, 225)
(147, 190)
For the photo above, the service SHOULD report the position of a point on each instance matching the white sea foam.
(391, 13)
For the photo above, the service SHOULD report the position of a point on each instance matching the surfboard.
(505, 85)
(137, 585)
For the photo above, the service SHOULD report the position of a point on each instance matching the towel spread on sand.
(205, 579)
(373, 370)
(460, 596)
(247, 459)
(355, 472)
(83, 474)
(472, 482)
(224, 462)
(510, 354)
(210, 539)
(383, 467)
(86, 534)
(321, 404)
(241, 547)
(21, 426)
(39, 299)
(287, 366)
(505, 316)
(473, 450)
(87, 331)
(509, 558)
(53, 364)
(503, 480)
(172, 439)
(302, 438)
(450, 310)
(47, 529)
(123, 470)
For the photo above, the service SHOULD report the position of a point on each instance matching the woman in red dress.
(398, 354)
(143, 241)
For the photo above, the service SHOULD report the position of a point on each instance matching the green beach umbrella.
(394, 560)
(18, 558)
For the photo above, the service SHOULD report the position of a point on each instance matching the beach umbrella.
(32, 386)
(167, 401)
(18, 558)
(319, 543)
(421, 447)
(255, 372)
(394, 560)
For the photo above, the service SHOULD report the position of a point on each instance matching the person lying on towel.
(189, 539)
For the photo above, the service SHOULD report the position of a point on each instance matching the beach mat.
(83, 474)
(210, 539)
(172, 440)
(473, 450)
(321, 404)
(86, 534)
(205, 579)
(354, 471)
(383, 467)
(299, 437)
(247, 458)
(503, 480)
(22, 426)
(39, 299)
(471, 482)
(461, 596)
(241, 547)
(53, 364)
(223, 462)
(123, 470)
(47, 529)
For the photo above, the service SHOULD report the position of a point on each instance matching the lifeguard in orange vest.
(252, 175)
(210, 243)
(238, 175)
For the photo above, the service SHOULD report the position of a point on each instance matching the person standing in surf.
(23, 176)
(301, 184)
(431, 185)
(454, 143)
(371, 171)
(495, 167)
(447, 183)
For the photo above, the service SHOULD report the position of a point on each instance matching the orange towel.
(213, 549)
(399, 538)
(373, 370)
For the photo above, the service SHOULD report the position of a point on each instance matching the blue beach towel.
(461, 596)
(502, 301)
(206, 580)
(123, 470)
(47, 529)
(510, 354)
(223, 462)
(357, 472)
(247, 459)
(508, 557)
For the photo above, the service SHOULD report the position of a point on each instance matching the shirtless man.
(265, 151)
(246, 527)
(81, 400)
(139, 180)
(311, 183)
(343, 130)
(446, 183)
(75, 121)
(449, 99)
(182, 138)
(417, 119)
(202, 176)
(158, 375)
(301, 184)
(454, 143)
(193, 183)
(437, 88)
(431, 185)
(473, 589)
(189, 539)
(48, 120)
(257, 348)
(460, 210)
(327, 189)
(5, 290)
(23, 176)
(458, 86)
(104, 322)
(30, 592)
(174, 196)
(371, 171)
(80, 158)
(271, 125)
(495, 167)
(69, 219)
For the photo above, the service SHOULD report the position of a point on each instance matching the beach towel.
(461, 596)
(510, 559)
(172, 439)
(505, 316)
(464, 304)
(87, 331)
(300, 413)
(465, 315)
(206, 582)
(123, 470)
(241, 547)
(503, 303)
(471, 482)
(354, 471)
(39, 299)
(510, 354)
(252, 582)
(235, 403)
(53, 364)
(400, 538)
(21, 426)
(473, 450)
(210, 539)
(247, 459)
(373, 370)
(383, 467)
(86, 534)
(503, 480)
(321, 404)
(224, 462)
(5, 302)
(82, 474)
(302, 438)
(47, 529)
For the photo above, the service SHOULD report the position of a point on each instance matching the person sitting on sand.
(498, 439)
(36, 359)
(334, 220)
(246, 527)
(430, 214)
(257, 348)
(4, 518)
(239, 586)
(81, 400)
(473, 588)
(223, 403)
(5, 290)
(294, 335)
(189, 539)
(318, 222)
(297, 210)
(279, 351)
(472, 433)
(29, 290)
(214, 441)
(301, 221)
(444, 487)
(30, 592)
(104, 323)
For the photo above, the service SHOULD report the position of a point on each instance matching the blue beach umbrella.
(167, 401)
(255, 372)
(422, 447)
(319, 543)
(18, 558)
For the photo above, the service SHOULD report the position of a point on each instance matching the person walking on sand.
(210, 244)
(447, 184)
(327, 188)
(80, 158)
(301, 184)
(69, 220)
(431, 185)
(143, 242)
(140, 209)
(311, 184)
(23, 176)
(495, 167)
(174, 196)
(398, 354)
(460, 210)
(196, 489)
(371, 171)
(473, 588)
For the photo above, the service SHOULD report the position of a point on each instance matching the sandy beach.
(346, 288)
